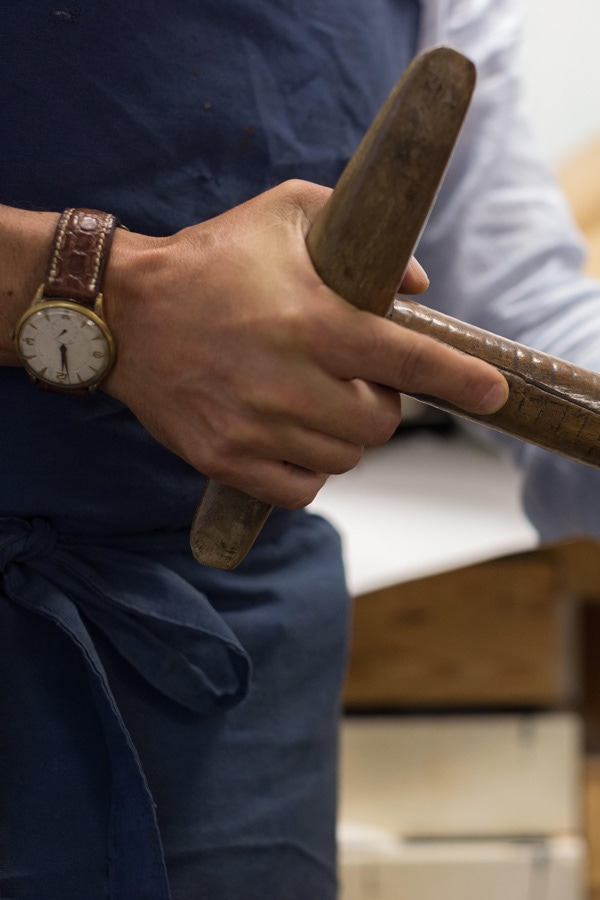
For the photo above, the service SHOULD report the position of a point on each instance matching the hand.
(236, 356)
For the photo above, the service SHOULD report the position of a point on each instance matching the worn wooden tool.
(360, 247)
(363, 240)
(551, 403)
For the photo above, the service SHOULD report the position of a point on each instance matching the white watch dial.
(64, 346)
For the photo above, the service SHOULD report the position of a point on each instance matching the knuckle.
(347, 460)
(300, 501)
(225, 441)
(292, 186)
(228, 440)
(334, 455)
(381, 434)
(214, 464)
(299, 190)
(280, 403)
(469, 396)
(385, 425)
(220, 460)
(305, 493)
(386, 417)
(415, 366)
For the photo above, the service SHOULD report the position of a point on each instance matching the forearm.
(234, 354)
(25, 241)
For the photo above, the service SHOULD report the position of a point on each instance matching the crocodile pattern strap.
(79, 253)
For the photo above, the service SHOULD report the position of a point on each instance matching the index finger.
(361, 345)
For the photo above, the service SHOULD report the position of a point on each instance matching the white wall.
(561, 57)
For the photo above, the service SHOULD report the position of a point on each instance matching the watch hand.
(63, 359)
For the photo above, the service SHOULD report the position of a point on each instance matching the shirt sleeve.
(502, 251)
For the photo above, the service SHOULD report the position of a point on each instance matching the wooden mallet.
(361, 246)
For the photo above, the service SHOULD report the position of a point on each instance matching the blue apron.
(167, 730)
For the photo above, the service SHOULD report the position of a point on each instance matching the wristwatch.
(62, 338)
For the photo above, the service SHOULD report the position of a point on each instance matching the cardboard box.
(477, 870)
(456, 776)
(498, 634)
(592, 820)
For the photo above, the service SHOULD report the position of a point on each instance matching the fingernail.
(494, 399)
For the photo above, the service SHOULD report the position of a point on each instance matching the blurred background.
(562, 73)
(470, 763)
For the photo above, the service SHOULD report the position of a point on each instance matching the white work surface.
(425, 504)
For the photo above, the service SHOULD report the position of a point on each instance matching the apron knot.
(22, 540)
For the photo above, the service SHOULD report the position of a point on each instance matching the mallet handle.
(551, 403)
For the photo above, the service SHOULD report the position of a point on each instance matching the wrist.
(131, 273)
(25, 246)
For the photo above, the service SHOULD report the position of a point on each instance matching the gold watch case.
(65, 345)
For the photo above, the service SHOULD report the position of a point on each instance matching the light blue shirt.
(501, 248)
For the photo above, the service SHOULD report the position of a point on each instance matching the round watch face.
(65, 345)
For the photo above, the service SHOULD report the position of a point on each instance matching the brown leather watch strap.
(79, 252)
